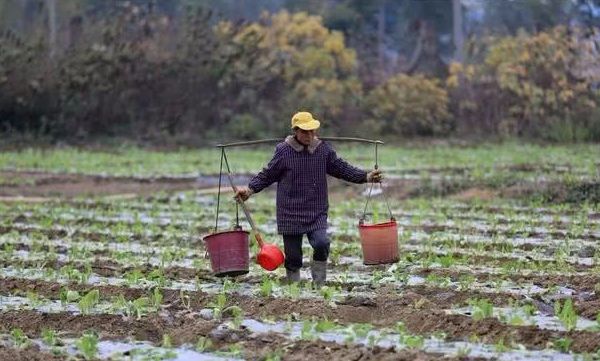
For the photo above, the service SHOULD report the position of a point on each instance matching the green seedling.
(34, 299)
(237, 313)
(407, 339)
(234, 350)
(412, 341)
(466, 281)
(203, 344)
(140, 306)
(156, 298)
(49, 337)
(529, 310)
(502, 346)
(463, 352)
(230, 286)
(307, 332)
(89, 301)
(219, 309)
(266, 287)
(167, 342)
(276, 355)
(328, 292)
(88, 345)
(185, 299)
(437, 280)
(157, 276)
(566, 314)
(293, 290)
(563, 344)
(19, 338)
(324, 325)
(482, 308)
(134, 277)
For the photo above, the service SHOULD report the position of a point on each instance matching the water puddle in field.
(356, 334)
(143, 351)
(52, 306)
(520, 316)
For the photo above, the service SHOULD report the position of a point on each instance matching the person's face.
(305, 136)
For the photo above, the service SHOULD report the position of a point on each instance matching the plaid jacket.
(301, 175)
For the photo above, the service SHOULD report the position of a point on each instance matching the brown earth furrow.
(186, 329)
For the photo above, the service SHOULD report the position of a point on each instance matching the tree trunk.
(51, 5)
(381, 35)
(457, 23)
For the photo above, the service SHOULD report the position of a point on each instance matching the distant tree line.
(195, 71)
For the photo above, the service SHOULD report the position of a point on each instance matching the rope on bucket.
(237, 212)
(362, 219)
(219, 192)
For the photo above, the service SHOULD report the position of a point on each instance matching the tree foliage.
(410, 105)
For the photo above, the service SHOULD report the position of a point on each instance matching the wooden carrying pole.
(275, 140)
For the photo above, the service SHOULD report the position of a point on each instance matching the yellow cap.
(305, 121)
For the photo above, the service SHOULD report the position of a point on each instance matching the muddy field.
(98, 267)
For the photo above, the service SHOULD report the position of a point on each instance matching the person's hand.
(374, 176)
(243, 193)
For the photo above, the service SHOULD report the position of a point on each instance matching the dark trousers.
(293, 248)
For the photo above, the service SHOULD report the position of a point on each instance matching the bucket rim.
(225, 232)
(379, 225)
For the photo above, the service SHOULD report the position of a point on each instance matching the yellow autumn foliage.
(410, 105)
(535, 70)
(526, 85)
(312, 65)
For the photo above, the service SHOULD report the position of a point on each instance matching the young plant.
(328, 292)
(324, 325)
(293, 290)
(563, 344)
(266, 287)
(49, 337)
(167, 342)
(307, 332)
(566, 314)
(19, 338)
(218, 305)
(89, 301)
(185, 299)
(156, 298)
(203, 344)
(34, 299)
(482, 308)
(88, 345)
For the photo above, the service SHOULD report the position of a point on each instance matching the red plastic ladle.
(270, 256)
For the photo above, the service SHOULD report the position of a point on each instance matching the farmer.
(300, 167)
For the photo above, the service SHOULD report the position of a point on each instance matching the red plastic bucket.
(229, 253)
(379, 242)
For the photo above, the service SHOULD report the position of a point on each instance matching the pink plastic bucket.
(379, 242)
(229, 253)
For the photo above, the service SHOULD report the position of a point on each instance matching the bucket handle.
(364, 215)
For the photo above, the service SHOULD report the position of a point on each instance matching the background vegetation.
(190, 72)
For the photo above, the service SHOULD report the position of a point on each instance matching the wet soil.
(420, 308)
(31, 353)
(579, 283)
(42, 184)
(423, 296)
(186, 328)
